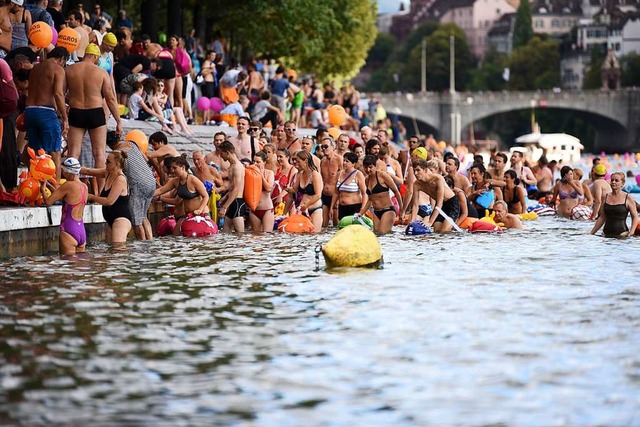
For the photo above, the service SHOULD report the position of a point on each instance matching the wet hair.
(306, 156)
(513, 175)
(565, 170)
(480, 167)
(119, 157)
(227, 147)
(58, 52)
(370, 144)
(262, 155)
(350, 157)
(502, 156)
(182, 161)
(369, 160)
(158, 137)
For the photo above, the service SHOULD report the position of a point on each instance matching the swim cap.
(71, 165)
(600, 170)
(92, 49)
(420, 152)
(110, 39)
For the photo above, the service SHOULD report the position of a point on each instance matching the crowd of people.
(325, 176)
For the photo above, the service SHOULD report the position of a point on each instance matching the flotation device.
(528, 216)
(468, 222)
(581, 212)
(353, 246)
(198, 226)
(349, 220)
(486, 199)
(417, 228)
(296, 223)
(278, 210)
(166, 226)
(252, 186)
(630, 188)
(482, 226)
(277, 220)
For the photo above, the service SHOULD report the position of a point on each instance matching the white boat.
(560, 147)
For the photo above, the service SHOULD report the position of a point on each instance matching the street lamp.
(455, 115)
(472, 136)
(423, 85)
(533, 103)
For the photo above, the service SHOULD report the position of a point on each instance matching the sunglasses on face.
(290, 129)
(254, 129)
(324, 147)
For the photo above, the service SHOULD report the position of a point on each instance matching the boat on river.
(560, 147)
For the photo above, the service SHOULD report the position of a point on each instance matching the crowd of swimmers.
(327, 179)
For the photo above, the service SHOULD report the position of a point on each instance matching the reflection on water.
(537, 327)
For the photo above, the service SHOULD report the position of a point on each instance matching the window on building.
(555, 23)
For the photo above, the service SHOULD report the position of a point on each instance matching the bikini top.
(183, 191)
(564, 195)
(308, 189)
(378, 188)
(351, 187)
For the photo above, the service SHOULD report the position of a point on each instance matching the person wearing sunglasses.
(330, 166)
(291, 142)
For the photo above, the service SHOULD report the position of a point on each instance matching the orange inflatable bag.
(252, 186)
(296, 223)
(468, 222)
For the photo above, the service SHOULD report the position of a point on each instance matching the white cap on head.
(71, 165)
(18, 2)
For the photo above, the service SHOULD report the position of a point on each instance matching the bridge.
(614, 114)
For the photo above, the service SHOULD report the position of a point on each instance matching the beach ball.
(30, 189)
(20, 123)
(68, 39)
(337, 115)
(216, 104)
(139, 138)
(43, 168)
(40, 34)
(203, 103)
(334, 132)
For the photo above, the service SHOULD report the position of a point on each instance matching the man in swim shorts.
(88, 86)
(45, 103)
(232, 206)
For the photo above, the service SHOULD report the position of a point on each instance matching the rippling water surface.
(537, 327)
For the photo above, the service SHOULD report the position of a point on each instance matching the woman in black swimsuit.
(114, 199)
(309, 183)
(615, 208)
(514, 194)
(378, 184)
(188, 188)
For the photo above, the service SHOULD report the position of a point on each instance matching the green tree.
(630, 65)
(382, 49)
(438, 56)
(489, 75)
(523, 28)
(593, 74)
(535, 66)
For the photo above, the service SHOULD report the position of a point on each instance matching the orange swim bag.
(252, 186)
(296, 224)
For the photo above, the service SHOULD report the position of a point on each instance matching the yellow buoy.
(353, 246)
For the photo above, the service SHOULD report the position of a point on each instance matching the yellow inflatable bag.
(353, 246)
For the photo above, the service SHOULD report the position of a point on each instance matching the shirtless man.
(291, 142)
(544, 177)
(330, 167)
(243, 140)
(150, 49)
(75, 21)
(383, 137)
(366, 133)
(88, 85)
(204, 172)
(498, 169)
(452, 165)
(343, 144)
(432, 183)
(214, 156)
(232, 206)
(307, 145)
(43, 126)
(502, 215)
(524, 173)
(7, 9)
(600, 187)
(161, 149)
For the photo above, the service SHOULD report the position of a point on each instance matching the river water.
(538, 327)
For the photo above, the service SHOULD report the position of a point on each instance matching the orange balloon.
(20, 123)
(293, 74)
(41, 34)
(337, 115)
(139, 138)
(68, 39)
(42, 168)
(30, 189)
(334, 132)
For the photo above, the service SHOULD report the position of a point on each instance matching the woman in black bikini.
(114, 199)
(188, 188)
(309, 183)
(615, 208)
(378, 184)
(514, 194)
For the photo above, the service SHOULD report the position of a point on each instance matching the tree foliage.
(489, 75)
(523, 28)
(535, 66)
(382, 49)
(630, 65)
(593, 73)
